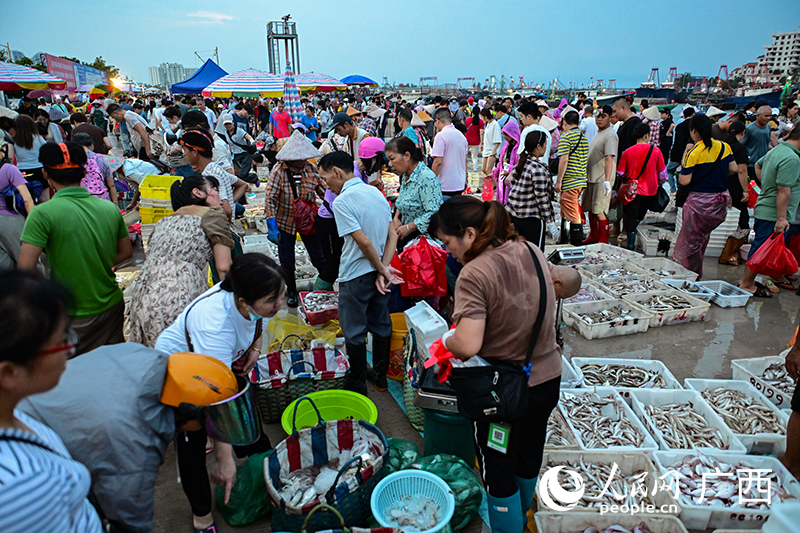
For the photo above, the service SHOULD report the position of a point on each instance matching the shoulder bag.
(499, 392)
(553, 164)
(249, 148)
(684, 190)
(627, 191)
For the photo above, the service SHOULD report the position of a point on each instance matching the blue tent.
(205, 76)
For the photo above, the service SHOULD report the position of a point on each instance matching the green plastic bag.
(402, 454)
(463, 482)
(249, 500)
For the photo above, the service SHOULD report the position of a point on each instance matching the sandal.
(785, 285)
(210, 529)
(771, 287)
(761, 291)
(790, 278)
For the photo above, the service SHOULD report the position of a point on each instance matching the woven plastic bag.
(284, 324)
(402, 454)
(462, 481)
(773, 258)
(248, 501)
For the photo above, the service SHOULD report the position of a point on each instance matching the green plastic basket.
(333, 405)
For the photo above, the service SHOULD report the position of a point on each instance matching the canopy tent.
(205, 76)
(314, 81)
(15, 77)
(359, 80)
(249, 82)
(291, 96)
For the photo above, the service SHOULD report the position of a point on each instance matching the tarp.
(14, 77)
(205, 76)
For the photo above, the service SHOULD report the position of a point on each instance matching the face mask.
(253, 315)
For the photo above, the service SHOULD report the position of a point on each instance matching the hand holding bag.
(628, 190)
(305, 212)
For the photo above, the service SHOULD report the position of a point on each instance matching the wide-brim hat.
(652, 113)
(424, 116)
(352, 111)
(298, 148)
(548, 123)
(714, 111)
(374, 111)
(416, 121)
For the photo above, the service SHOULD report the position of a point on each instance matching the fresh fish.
(660, 302)
(318, 301)
(583, 295)
(682, 427)
(600, 421)
(632, 285)
(742, 413)
(606, 315)
(615, 375)
(777, 376)
(558, 434)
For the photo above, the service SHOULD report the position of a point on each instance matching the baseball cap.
(776, 111)
(340, 118)
(227, 119)
(471, 100)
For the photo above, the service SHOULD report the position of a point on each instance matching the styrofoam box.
(256, 244)
(702, 293)
(662, 263)
(595, 272)
(725, 294)
(550, 522)
(428, 326)
(658, 285)
(566, 431)
(704, 517)
(628, 463)
(751, 370)
(625, 392)
(696, 313)
(599, 293)
(571, 377)
(642, 397)
(760, 443)
(638, 324)
(648, 445)
(648, 238)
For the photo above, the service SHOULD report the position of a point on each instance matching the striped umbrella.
(15, 77)
(291, 96)
(250, 82)
(314, 81)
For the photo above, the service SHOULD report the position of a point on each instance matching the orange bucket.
(399, 331)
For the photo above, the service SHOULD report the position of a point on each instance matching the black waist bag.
(499, 392)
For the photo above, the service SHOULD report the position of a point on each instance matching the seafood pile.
(413, 513)
(599, 257)
(583, 295)
(724, 490)
(622, 376)
(557, 433)
(615, 273)
(318, 301)
(662, 273)
(665, 303)
(606, 315)
(777, 376)
(632, 285)
(742, 413)
(600, 420)
(595, 475)
(682, 427)
(638, 528)
(690, 287)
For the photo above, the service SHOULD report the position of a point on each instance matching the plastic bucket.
(399, 331)
(449, 433)
(235, 420)
(332, 405)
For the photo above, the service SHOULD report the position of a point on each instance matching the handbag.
(553, 164)
(661, 200)
(499, 392)
(628, 190)
(305, 212)
(684, 190)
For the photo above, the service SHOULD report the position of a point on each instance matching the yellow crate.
(151, 215)
(157, 187)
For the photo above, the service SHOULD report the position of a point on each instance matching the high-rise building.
(168, 74)
(782, 56)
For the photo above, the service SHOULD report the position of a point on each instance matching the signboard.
(85, 75)
(61, 68)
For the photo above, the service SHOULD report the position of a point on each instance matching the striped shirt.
(574, 144)
(41, 488)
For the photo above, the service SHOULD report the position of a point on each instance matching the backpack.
(13, 198)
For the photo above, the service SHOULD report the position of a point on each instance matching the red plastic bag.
(627, 191)
(305, 213)
(488, 189)
(752, 194)
(423, 270)
(773, 258)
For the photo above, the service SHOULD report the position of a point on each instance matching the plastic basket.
(651, 237)
(638, 324)
(625, 392)
(398, 486)
(692, 288)
(695, 313)
(256, 244)
(725, 294)
(157, 187)
(752, 370)
(571, 377)
(599, 294)
(650, 264)
(550, 522)
(316, 318)
(151, 215)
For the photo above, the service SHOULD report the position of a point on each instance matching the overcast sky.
(403, 41)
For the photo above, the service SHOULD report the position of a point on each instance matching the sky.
(405, 40)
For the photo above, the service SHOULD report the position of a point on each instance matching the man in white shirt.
(137, 128)
(588, 124)
(530, 116)
(449, 154)
(201, 105)
(601, 174)
(492, 141)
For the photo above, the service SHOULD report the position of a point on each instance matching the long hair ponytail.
(702, 125)
(532, 140)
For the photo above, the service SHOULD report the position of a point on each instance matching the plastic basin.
(332, 405)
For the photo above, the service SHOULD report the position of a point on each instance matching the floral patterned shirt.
(420, 197)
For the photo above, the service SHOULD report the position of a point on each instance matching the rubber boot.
(357, 355)
(322, 285)
(380, 362)
(292, 298)
(564, 232)
(593, 232)
(505, 514)
(631, 240)
(527, 488)
(575, 233)
(602, 226)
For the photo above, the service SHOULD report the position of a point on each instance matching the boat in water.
(771, 96)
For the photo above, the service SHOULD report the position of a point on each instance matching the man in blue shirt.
(241, 117)
(311, 123)
(364, 220)
(758, 138)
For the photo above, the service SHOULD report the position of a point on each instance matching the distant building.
(16, 55)
(780, 58)
(168, 74)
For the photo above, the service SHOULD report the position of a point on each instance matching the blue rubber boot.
(631, 240)
(505, 514)
(527, 488)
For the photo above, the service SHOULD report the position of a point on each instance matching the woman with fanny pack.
(511, 325)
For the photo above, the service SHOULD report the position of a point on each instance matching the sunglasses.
(71, 345)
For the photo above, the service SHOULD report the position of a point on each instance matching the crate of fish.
(256, 244)
(601, 420)
(692, 288)
(320, 306)
(756, 422)
(725, 294)
(670, 307)
(634, 469)
(625, 375)
(305, 277)
(610, 270)
(655, 241)
(555, 522)
(619, 287)
(571, 377)
(559, 435)
(661, 267)
(768, 375)
(606, 318)
(606, 253)
(734, 497)
(588, 293)
(681, 420)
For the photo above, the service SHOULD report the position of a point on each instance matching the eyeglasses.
(71, 345)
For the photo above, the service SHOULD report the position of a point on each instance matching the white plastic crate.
(702, 517)
(606, 253)
(696, 313)
(648, 445)
(603, 270)
(613, 328)
(642, 397)
(760, 443)
(649, 237)
(571, 377)
(656, 284)
(692, 288)
(551, 522)
(628, 463)
(428, 327)
(751, 370)
(593, 289)
(625, 392)
(651, 264)
(725, 294)
(566, 433)
(256, 244)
